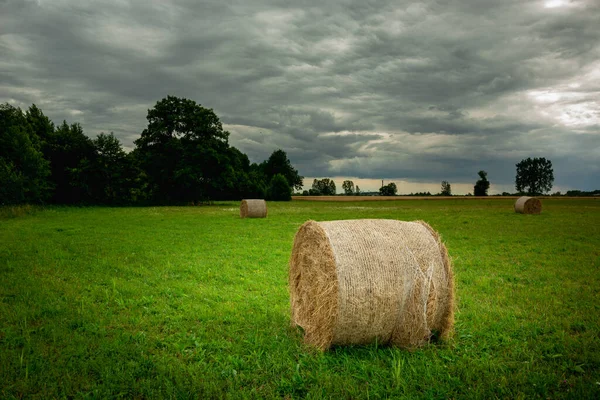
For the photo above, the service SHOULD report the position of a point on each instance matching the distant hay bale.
(528, 205)
(253, 209)
(361, 281)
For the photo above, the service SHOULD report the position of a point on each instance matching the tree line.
(182, 157)
(534, 177)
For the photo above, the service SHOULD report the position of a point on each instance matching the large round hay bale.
(528, 205)
(361, 281)
(253, 208)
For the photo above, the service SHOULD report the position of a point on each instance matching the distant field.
(192, 302)
(388, 198)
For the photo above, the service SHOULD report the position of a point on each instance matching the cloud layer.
(419, 92)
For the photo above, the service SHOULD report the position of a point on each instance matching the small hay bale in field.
(253, 209)
(528, 205)
(361, 281)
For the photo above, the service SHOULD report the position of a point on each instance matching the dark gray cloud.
(415, 91)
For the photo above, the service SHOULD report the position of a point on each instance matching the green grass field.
(192, 302)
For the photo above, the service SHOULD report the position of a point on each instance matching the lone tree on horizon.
(482, 185)
(446, 189)
(534, 176)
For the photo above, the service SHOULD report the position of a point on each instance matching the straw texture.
(253, 208)
(528, 205)
(360, 281)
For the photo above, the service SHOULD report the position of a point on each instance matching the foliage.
(446, 189)
(581, 193)
(534, 176)
(181, 157)
(323, 187)
(165, 302)
(116, 176)
(420, 194)
(348, 187)
(278, 163)
(357, 191)
(41, 126)
(72, 155)
(23, 170)
(279, 189)
(388, 190)
(186, 157)
(183, 151)
(482, 185)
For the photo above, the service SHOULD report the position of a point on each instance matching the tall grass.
(15, 211)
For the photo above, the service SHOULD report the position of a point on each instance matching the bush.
(16, 211)
(388, 190)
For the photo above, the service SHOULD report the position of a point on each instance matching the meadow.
(192, 302)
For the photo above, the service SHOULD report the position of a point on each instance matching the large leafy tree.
(183, 151)
(534, 176)
(174, 117)
(278, 163)
(482, 185)
(23, 170)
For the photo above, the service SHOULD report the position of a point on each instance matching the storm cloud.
(414, 91)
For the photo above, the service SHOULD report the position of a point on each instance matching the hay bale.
(360, 281)
(528, 205)
(253, 209)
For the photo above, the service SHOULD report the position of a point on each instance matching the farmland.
(192, 302)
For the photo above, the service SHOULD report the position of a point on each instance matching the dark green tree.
(446, 189)
(42, 127)
(235, 182)
(256, 182)
(279, 189)
(238, 178)
(71, 154)
(323, 187)
(482, 185)
(357, 192)
(348, 187)
(184, 152)
(534, 176)
(23, 170)
(388, 190)
(115, 178)
(278, 163)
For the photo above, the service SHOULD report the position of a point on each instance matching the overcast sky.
(409, 92)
